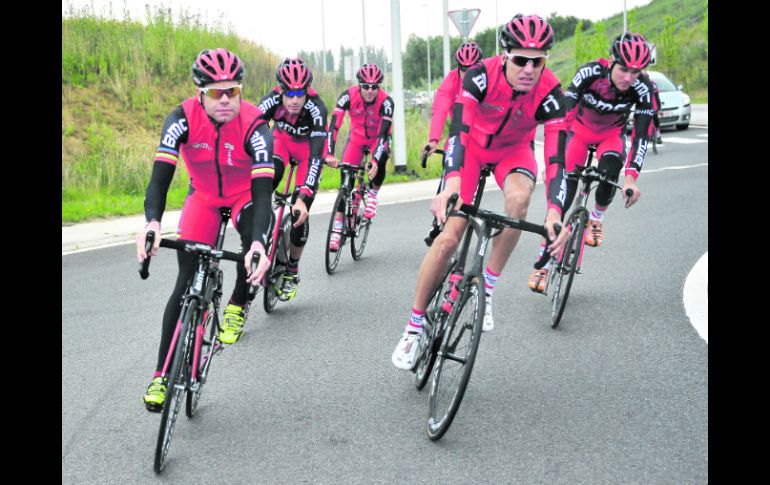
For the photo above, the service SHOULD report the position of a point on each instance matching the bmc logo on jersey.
(259, 144)
(292, 130)
(345, 99)
(268, 103)
(387, 107)
(642, 90)
(450, 149)
(602, 106)
(314, 112)
(586, 72)
(550, 99)
(312, 174)
(174, 132)
(480, 81)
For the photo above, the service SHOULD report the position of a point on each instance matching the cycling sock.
(415, 321)
(293, 265)
(338, 223)
(598, 215)
(373, 192)
(491, 281)
(157, 373)
(542, 250)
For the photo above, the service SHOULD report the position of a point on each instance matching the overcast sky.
(287, 28)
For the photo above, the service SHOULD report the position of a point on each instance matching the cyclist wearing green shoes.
(228, 160)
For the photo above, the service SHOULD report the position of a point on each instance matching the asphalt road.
(618, 394)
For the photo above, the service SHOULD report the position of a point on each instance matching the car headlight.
(686, 100)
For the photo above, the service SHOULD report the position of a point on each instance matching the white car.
(675, 104)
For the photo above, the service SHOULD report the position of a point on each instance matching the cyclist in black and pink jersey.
(299, 131)
(468, 54)
(494, 120)
(371, 116)
(229, 166)
(599, 101)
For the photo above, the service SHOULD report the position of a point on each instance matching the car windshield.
(664, 84)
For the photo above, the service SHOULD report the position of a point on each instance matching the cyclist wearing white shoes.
(224, 154)
(504, 99)
(371, 116)
(599, 102)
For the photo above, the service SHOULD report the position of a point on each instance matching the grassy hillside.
(681, 43)
(120, 78)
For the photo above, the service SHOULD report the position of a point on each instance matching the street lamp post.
(427, 16)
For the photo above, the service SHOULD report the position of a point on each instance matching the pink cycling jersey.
(308, 127)
(595, 103)
(228, 164)
(368, 122)
(442, 103)
(494, 116)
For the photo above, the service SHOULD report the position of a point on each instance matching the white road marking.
(695, 296)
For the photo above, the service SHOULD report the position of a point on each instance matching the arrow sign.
(464, 20)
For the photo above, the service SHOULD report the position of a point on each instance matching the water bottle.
(451, 295)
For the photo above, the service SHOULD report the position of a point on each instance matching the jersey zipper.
(216, 162)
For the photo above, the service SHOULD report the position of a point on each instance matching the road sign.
(464, 20)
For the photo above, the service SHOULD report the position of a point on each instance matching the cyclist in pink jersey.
(494, 120)
(468, 54)
(599, 101)
(228, 166)
(299, 132)
(371, 116)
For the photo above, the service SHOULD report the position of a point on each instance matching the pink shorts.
(354, 149)
(579, 137)
(200, 216)
(517, 158)
(286, 147)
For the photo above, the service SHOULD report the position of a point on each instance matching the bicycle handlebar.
(501, 220)
(425, 150)
(191, 247)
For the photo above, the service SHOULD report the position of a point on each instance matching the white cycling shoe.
(404, 355)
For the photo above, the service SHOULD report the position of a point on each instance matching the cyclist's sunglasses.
(522, 61)
(216, 93)
(298, 93)
(369, 86)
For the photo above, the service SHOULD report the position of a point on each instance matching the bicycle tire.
(332, 258)
(654, 145)
(177, 384)
(361, 235)
(277, 267)
(567, 270)
(446, 392)
(209, 347)
(436, 318)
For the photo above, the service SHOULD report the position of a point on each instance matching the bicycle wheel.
(332, 258)
(277, 266)
(567, 269)
(435, 317)
(456, 357)
(361, 234)
(177, 382)
(209, 347)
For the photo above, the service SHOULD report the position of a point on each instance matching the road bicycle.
(279, 243)
(455, 313)
(353, 195)
(196, 337)
(568, 263)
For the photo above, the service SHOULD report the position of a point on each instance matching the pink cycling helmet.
(526, 32)
(468, 54)
(216, 65)
(370, 73)
(630, 50)
(293, 74)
